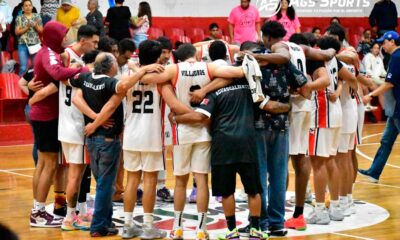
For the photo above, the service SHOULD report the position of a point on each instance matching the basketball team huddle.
(231, 110)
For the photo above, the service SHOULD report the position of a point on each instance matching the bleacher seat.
(12, 99)
(155, 33)
(195, 34)
(172, 32)
(306, 29)
(182, 39)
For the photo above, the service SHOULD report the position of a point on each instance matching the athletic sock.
(298, 211)
(82, 208)
(178, 219)
(59, 199)
(319, 206)
(128, 218)
(343, 201)
(335, 203)
(147, 220)
(202, 221)
(350, 198)
(34, 203)
(40, 206)
(160, 185)
(70, 213)
(255, 222)
(231, 222)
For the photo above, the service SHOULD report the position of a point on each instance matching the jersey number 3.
(146, 97)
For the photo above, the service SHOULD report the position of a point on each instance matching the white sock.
(160, 185)
(319, 205)
(335, 203)
(70, 213)
(40, 206)
(343, 200)
(178, 219)
(202, 221)
(82, 208)
(128, 218)
(147, 220)
(352, 187)
(350, 198)
(34, 204)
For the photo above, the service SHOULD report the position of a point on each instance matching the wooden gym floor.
(16, 170)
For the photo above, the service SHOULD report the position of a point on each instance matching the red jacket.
(48, 67)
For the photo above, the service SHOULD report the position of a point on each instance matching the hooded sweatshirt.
(48, 67)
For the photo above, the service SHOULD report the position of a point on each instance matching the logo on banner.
(270, 7)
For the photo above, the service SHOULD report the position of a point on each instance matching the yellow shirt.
(67, 18)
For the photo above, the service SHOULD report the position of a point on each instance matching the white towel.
(253, 75)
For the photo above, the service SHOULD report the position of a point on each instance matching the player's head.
(90, 57)
(126, 47)
(334, 20)
(390, 41)
(327, 42)
(107, 44)
(88, 38)
(336, 30)
(166, 47)
(217, 50)
(149, 52)
(185, 51)
(311, 38)
(245, 4)
(119, 1)
(106, 64)
(317, 32)
(213, 30)
(273, 32)
(299, 39)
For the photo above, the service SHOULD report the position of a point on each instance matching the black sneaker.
(245, 231)
(61, 211)
(108, 232)
(139, 196)
(277, 232)
(163, 194)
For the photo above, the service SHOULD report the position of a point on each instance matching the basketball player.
(203, 51)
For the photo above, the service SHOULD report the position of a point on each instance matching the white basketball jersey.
(334, 108)
(298, 58)
(70, 120)
(205, 53)
(191, 76)
(143, 124)
(349, 104)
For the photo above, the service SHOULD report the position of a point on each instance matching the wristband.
(264, 102)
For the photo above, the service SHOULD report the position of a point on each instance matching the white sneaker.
(353, 208)
(153, 233)
(131, 231)
(320, 217)
(336, 213)
(241, 196)
(346, 210)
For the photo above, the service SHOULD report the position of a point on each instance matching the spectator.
(317, 32)
(3, 28)
(17, 11)
(142, 23)
(383, 17)
(28, 27)
(287, 17)
(214, 32)
(374, 68)
(5, 18)
(94, 17)
(48, 10)
(244, 23)
(118, 19)
(364, 46)
(335, 20)
(68, 14)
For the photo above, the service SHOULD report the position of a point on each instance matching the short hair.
(87, 31)
(327, 42)
(125, 45)
(165, 43)
(337, 30)
(334, 18)
(249, 45)
(106, 43)
(273, 29)
(119, 1)
(213, 25)
(312, 40)
(103, 63)
(185, 51)
(90, 57)
(177, 44)
(217, 50)
(96, 2)
(315, 29)
(149, 52)
(299, 38)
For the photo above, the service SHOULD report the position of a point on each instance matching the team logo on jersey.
(205, 101)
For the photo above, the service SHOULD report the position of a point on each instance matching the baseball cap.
(391, 35)
(68, 2)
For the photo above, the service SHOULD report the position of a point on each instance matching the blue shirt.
(393, 77)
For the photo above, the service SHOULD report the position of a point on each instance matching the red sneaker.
(296, 223)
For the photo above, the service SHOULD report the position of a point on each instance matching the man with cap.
(391, 88)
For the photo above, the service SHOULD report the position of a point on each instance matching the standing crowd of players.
(277, 99)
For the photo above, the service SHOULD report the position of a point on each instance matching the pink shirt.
(289, 25)
(244, 22)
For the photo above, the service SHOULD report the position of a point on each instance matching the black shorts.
(223, 178)
(46, 135)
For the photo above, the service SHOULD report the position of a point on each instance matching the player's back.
(334, 109)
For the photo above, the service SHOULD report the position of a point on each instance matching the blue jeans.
(34, 150)
(23, 56)
(138, 38)
(392, 129)
(273, 157)
(104, 160)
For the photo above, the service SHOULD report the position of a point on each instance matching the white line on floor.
(18, 174)
(352, 236)
(17, 169)
(379, 184)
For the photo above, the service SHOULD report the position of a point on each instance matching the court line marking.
(352, 236)
(17, 169)
(18, 174)
(380, 184)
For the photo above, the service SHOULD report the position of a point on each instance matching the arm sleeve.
(56, 70)
(76, 81)
(393, 74)
(207, 106)
(111, 86)
(257, 15)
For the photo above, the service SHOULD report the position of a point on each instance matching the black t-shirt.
(28, 76)
(97, 90)
(232, 129)
(119, 19)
